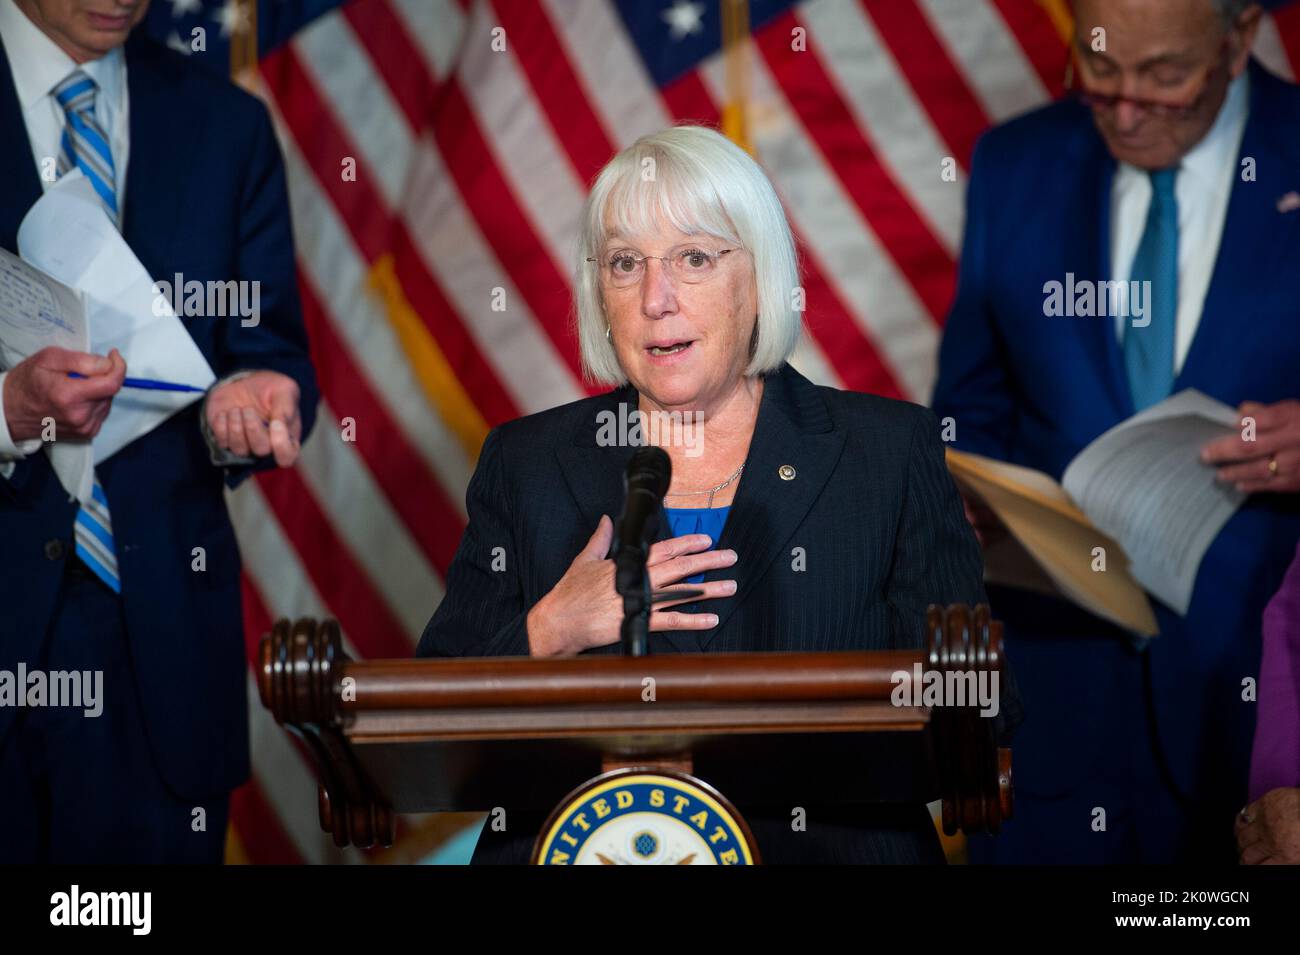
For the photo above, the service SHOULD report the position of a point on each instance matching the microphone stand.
(637, 600)
(646, 483)
(636, 612)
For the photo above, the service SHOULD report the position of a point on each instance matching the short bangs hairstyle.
(699, 182)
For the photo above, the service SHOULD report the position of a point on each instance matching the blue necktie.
(85, 147)
(1149, 350)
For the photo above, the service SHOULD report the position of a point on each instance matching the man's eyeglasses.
(687, 263)
(1095, 99)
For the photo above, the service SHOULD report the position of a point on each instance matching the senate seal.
(645, 817)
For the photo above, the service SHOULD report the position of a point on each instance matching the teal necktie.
(1149, 350)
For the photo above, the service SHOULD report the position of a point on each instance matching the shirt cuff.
(9, 449)
(220, 456)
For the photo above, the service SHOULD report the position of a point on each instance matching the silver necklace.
(710, 491)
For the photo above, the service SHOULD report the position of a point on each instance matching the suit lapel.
(161, 151)
(163, 144)
(1255, 237)
(794, 429)
(1102, 344)
(22, 184)
(594, 464)
(592, 468)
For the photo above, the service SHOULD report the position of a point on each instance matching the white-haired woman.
(811, 518)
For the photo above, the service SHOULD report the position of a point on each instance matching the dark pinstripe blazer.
(871, 508)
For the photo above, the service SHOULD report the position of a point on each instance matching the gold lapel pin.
(786, 471)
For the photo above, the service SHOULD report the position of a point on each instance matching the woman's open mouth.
(663, 352)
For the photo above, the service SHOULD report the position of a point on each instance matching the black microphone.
(646, 481)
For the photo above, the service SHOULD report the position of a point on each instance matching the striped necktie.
(85, 147)
(1149, 351)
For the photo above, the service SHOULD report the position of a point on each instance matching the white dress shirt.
(1202, 187)
(38, 65)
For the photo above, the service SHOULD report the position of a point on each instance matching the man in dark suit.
(1180, 167)
(138, 583)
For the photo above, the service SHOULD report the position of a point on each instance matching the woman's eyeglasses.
(686, 263)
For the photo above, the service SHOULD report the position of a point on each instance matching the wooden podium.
(427, 735)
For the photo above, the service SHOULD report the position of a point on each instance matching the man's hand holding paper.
(39, 388)
(80, 288)
(1139, 484)
(93, 295)
(1270, 462)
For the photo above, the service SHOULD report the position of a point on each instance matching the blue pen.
(149, 384)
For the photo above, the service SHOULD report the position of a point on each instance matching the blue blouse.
(697, 520)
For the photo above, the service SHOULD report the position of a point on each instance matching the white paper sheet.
(1143, 484)
(68, 235)
(94, 296)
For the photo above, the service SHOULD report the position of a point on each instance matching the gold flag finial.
(243, 42)
(735, 54)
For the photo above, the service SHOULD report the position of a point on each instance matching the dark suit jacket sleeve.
(278, 342)
(937, 557)
(482, 613)
(974, 388)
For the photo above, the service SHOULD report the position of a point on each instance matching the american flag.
(438, 153)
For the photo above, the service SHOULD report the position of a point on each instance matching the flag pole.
(1058, 11)
(735, 54)
(243, 44)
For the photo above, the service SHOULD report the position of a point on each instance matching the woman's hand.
(584, 611)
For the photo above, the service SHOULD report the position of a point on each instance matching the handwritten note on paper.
(35, 311)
